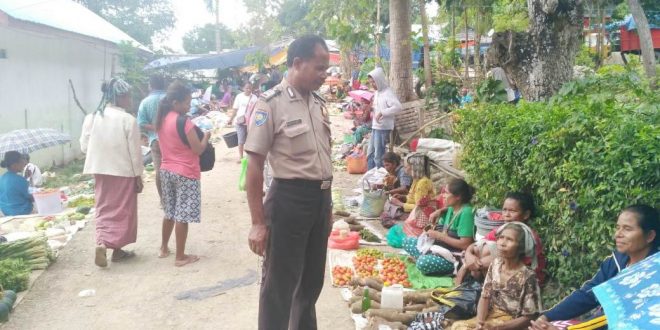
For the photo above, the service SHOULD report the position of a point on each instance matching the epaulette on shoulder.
(318, 97)
(270, 94)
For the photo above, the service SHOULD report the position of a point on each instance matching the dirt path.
(140, 294)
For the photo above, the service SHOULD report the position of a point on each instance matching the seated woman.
(397, 181)
(421, 187)
(637, 236)
(510, 297)
(518, 206)
(15, 198)
(454, 231)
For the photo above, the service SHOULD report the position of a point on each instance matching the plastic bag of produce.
(243, 176)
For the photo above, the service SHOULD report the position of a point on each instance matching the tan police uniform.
(295, 136)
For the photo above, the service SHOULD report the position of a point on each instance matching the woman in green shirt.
(454, 230)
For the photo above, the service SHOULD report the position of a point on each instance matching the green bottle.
(366, 300)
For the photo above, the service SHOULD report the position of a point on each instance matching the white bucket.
(392, 297)
(48, 202)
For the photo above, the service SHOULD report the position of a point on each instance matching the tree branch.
(75, 98)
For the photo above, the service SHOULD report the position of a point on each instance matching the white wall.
(34, 83)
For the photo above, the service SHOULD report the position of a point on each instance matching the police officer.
(290, 126)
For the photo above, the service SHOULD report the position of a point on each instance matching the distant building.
(43, 44)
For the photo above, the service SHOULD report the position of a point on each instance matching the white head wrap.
(530, 243)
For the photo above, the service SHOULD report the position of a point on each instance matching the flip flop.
(101, 259)
(188, 260)
(125, 255)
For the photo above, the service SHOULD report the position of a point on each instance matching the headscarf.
(115, 87)
(530, 243)
(418, 165)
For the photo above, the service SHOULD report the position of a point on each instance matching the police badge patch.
(260, 117)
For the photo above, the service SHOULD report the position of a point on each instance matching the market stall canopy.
(230, 59)
(170, 60)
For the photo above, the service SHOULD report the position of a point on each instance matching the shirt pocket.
(297, 139)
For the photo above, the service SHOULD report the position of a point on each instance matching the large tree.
(540, 59)
(202, 39)
(141, 19)
(214, 6)
(401, 76)
(645, 40)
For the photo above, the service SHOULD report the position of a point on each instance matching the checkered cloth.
(29, 140)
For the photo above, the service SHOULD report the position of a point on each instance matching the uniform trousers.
(297, 213)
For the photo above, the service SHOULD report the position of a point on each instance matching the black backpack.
(207, 158)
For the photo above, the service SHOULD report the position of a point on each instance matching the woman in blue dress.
(14, 196)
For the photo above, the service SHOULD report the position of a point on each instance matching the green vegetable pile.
(14, 274)
(368, 236)
(34, 252)
(82, 202)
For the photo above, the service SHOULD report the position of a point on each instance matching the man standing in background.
(146, 115)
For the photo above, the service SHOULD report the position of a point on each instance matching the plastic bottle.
(366, 300)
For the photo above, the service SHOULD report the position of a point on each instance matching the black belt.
(318, 184)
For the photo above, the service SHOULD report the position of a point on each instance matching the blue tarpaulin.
(230, 59)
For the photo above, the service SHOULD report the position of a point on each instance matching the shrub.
(586, 154)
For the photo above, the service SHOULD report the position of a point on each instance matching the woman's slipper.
(123, 256)
(100, 258)
(189, 259)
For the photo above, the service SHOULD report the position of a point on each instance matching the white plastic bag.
(373, 176)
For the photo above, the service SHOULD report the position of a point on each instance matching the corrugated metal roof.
(66, 15)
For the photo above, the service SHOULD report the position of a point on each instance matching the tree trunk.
(645, 41)
(218, 41)
(401, 50)
(428, 78)
(477, 48)
(377, 33)
(467, 49)
(345, 64)
(541, 59)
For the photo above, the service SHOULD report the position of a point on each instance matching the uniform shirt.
(14, 196)
(294, 134)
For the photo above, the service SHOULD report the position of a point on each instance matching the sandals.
(123, 256)
(100, 258)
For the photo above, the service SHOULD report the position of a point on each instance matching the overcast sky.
(191, 13)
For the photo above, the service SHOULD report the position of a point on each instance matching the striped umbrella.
(26, 141)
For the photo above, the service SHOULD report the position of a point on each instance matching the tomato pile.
(365, 266)
(341, 276)
(394, 272)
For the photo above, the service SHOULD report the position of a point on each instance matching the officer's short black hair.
(303, 48)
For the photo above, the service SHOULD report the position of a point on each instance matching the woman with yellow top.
(419, 201)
